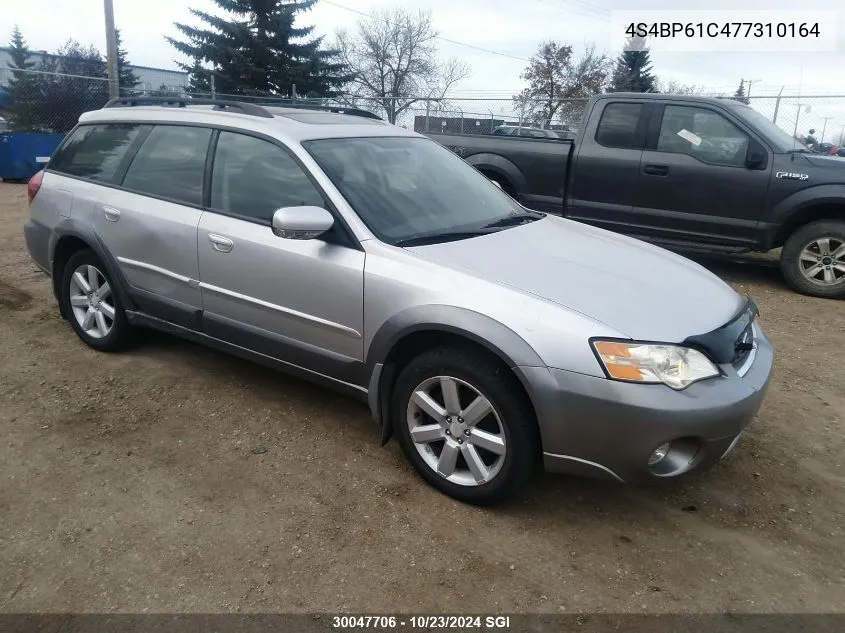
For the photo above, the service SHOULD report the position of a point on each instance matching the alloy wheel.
(822, 261)
(456, 430)
(91, 301)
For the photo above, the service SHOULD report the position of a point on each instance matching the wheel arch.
(415, 330)
(500, 167)
(825, 202)
(70, 240)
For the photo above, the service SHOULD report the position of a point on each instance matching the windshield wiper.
(436, 238)
(512, 220)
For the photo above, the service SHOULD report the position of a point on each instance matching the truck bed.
(520, 165)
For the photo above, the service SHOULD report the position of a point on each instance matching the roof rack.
(245, 108)
(181, 102)
(339, 109)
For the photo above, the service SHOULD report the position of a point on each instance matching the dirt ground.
(173, 478)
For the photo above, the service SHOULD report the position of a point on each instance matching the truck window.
(703, 134)
(618, 125)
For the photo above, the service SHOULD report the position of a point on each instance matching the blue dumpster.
(22, 154)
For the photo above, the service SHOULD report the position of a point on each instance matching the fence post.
(521, 113)
(427, 113)
(777, 106)
(213, 88)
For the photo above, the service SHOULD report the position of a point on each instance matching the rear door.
(693, 182)
(301, 301)
(604, 180)
(150, 224)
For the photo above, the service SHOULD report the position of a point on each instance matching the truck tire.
(813, 259)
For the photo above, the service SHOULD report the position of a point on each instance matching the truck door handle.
(656, 170)
(112, 215)
(220, 243)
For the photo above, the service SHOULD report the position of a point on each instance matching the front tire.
(466, 425)
(813, 259)
(91, 304)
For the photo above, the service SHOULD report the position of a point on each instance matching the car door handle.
(220, 243)
(112, 214)
(656, 170)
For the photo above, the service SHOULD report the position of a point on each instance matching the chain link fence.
(37, 101)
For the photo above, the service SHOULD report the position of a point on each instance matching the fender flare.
(785, 211)
(501, 166)
(478, 328)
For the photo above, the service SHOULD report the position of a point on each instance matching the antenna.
(797, 114)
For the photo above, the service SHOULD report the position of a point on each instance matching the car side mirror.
(301, 223)
(755, 158)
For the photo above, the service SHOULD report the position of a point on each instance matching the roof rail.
(337, 109)
(181, 102)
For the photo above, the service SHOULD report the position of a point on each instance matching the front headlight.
(676, 366)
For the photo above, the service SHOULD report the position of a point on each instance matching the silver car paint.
(307, 290)
(597, 273)
(536, 293)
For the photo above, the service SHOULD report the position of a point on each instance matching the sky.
(509, 30)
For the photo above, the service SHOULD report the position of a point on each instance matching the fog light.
(658, 454)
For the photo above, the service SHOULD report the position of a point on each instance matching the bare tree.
(558, 83)
(675, 87)
(392, 56)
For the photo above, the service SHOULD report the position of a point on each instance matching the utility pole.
(111, 50)
(824, 127)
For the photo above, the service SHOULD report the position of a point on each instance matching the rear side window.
(618, 126)
(253, 178)
(94, 151)
(171, 163)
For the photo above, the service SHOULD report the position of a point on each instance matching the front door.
(694, 184)
(300, 301)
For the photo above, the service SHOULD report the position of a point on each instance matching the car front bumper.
(605, 428)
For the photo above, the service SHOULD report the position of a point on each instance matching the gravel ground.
(173, 478)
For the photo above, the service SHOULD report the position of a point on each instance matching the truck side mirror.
(755, 158)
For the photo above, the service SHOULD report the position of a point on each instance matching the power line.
(439, 37)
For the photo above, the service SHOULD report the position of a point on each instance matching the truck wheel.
(813, 259)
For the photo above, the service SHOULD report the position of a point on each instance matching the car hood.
(829, 162)
(640, 290)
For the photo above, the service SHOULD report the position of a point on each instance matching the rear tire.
(813, 259)
(91, 305)
(478, 444)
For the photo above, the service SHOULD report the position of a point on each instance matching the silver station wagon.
(489, 339)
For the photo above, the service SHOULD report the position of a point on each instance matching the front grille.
(744, 348)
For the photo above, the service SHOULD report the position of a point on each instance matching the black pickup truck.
(690, 173)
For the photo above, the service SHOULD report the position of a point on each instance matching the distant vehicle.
(686, 172)
(532, 132)
(487, 337)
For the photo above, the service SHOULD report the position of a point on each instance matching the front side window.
(252, 178)
(171, 163)
(703, 134)
(406, 187)
(94, 151)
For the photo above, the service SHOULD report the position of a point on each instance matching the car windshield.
(781, 140)
(408, 187)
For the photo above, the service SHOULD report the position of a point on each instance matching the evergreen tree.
(633, 69)
(127, 79)
(23, 91)
(66, 88)
(259, 49)
(739, 95)
(199, 78)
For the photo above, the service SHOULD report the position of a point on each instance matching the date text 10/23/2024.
(392, 622)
